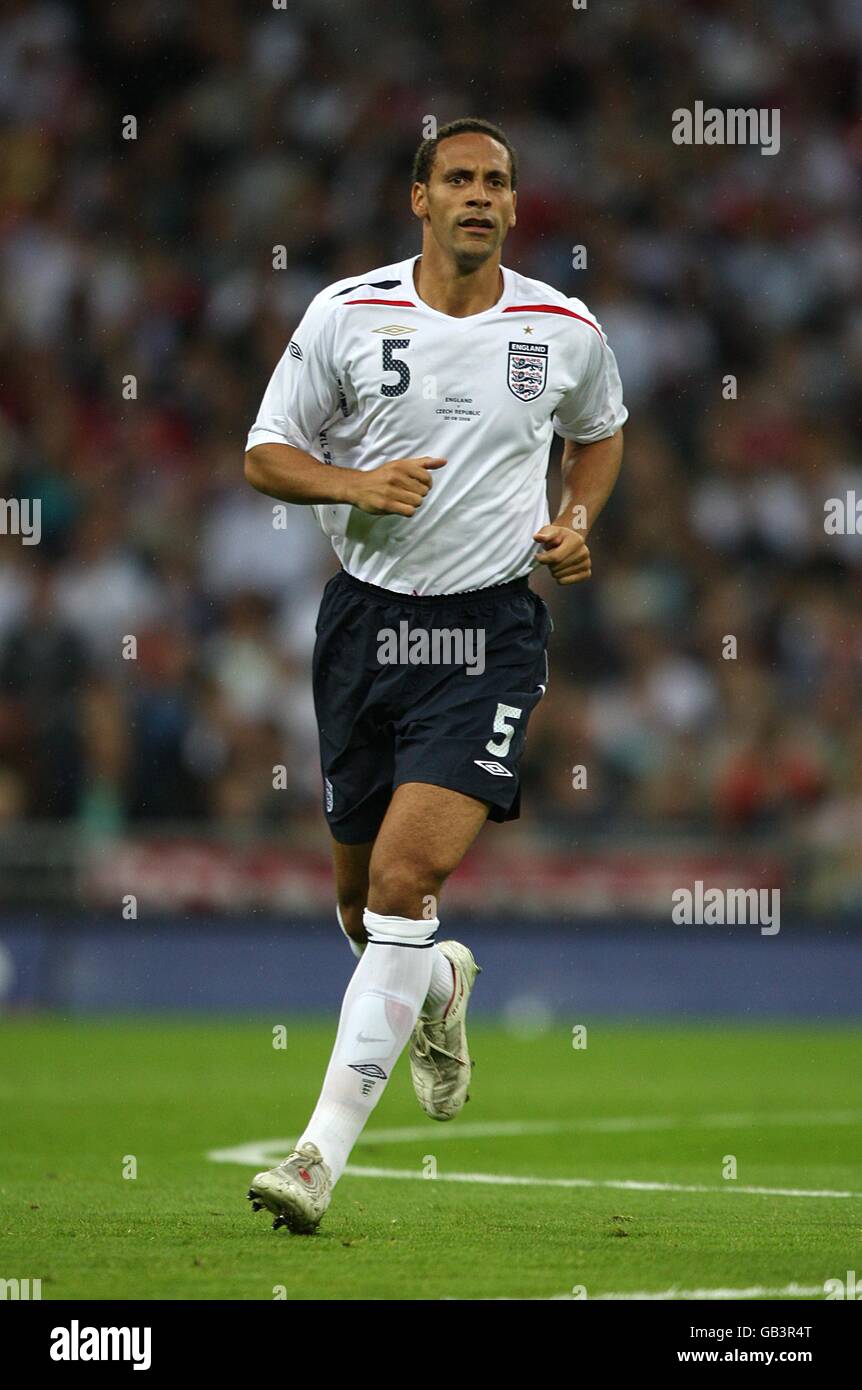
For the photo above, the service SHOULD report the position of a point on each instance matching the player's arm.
(590, 418)
(590, 472)
(303, 397)
(292, 475)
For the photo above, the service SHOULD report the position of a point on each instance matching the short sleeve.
(303, 394)
(593, 409)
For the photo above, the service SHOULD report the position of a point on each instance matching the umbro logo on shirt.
(295, 350)
(497, 769)
(394, 330)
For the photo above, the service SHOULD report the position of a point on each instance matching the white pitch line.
(758, 1291)
(266, 1150)
(667, 1295)
(270, 1150)
(779, 1117)
(627, 1185)
(486, 1129)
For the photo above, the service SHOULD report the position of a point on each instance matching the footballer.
(413, 410)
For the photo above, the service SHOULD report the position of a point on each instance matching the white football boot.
(297, 1191)
(439, 1060)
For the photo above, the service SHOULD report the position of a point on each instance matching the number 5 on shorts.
(501, 747)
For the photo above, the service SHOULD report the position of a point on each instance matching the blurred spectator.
(43, 671)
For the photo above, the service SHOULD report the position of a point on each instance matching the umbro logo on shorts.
(497, 769)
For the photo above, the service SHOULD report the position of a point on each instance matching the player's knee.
(402, 888)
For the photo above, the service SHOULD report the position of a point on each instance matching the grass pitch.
(85, 1102)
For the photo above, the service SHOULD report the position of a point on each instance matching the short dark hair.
(423, 162)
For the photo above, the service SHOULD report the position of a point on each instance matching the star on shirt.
(528, 330)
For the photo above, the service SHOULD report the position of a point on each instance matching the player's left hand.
(566, 554)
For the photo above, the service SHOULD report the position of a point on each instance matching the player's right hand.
(396, 488)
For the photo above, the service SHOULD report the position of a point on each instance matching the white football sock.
(442, 975)
(380, 1008)
(442, 986)
(357, 947)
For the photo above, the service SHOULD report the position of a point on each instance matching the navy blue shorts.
(432, 689)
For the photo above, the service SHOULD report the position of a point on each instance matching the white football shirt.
(373, 373)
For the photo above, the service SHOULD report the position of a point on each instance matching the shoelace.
(424, 1044)
(305, 1157)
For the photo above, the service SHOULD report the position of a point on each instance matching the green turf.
(77, 1097)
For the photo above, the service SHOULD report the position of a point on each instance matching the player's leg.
(390, 985)
(391, 982)
(351, 866)
(425, 834)
(350, 863)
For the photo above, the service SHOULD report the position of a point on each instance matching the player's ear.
(419, 200)
(513, 221)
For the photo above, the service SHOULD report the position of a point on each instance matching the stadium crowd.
(150, 259)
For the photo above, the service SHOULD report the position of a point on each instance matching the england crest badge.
(528, 370)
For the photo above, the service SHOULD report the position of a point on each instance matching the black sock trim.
(408, 945)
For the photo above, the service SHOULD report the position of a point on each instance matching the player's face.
(468, 201)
